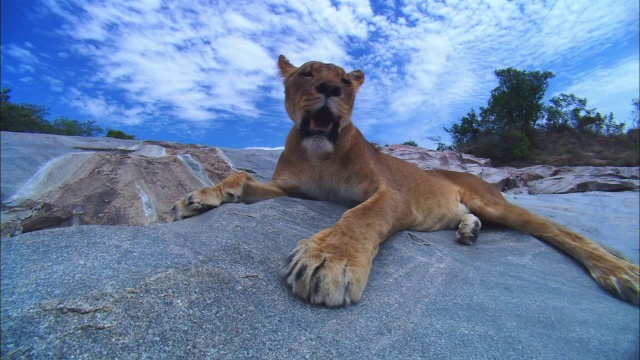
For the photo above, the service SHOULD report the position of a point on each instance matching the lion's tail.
(616, 274)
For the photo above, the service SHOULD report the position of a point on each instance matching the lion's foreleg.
(238, 187)
(333, 266)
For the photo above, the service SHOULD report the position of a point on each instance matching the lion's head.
(319, 99)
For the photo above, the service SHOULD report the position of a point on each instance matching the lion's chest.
(322, 179)
(339, 193)
(325, 183)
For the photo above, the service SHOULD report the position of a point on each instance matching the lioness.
(327, 158)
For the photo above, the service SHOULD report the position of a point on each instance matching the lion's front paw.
(325, 273)
(619, 277)
(195, 203)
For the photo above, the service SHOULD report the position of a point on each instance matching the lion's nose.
(328, 90)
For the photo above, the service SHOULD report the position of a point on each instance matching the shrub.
(118, 134)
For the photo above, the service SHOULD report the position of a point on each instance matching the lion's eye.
(346, 81)
(307, 74)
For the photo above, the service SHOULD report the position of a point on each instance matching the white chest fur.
(317, 147)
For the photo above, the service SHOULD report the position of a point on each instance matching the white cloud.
(54, 84)
(23, 68)
(424, 61)
(446, 54)
(25, 59)
(203, 61)
(100, 107)
(25, 56)
(605, 87)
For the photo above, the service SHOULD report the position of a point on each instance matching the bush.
(64, 126)
(118, 134)
(410, 143)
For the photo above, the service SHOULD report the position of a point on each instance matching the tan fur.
(388, 195)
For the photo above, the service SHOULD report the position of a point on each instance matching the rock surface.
(53, 181)
(210, 286)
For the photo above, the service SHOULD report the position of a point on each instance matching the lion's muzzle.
(321, 122)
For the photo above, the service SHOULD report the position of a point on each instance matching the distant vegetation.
(118, 134)
(410, 143)
(31, 118)
(516, 128)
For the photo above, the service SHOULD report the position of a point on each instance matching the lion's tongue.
(314, 126)
(322, 120)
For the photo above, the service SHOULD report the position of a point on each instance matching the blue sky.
(204, 71)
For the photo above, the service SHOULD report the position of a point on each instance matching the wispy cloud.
(446, 54)
(25, 59)
(202, 62)
(21, 53)
(205, 63)
(605, 86)
(99, 106)
(54, 84)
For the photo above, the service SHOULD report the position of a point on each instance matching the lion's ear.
(285, 66)
(356, 76)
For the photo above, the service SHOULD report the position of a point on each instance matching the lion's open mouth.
(321, 122)
(323, 119)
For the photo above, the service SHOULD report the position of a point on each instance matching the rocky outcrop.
(539, 179)
(98, 181)
(53, 181)
(565, 180)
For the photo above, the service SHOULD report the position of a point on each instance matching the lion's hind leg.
(468, 229)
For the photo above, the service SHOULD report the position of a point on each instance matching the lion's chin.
(318, 147)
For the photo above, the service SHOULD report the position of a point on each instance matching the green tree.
(516, 125)
(517, 101)
(410, 143)
(466, 133)
(504, 129)
(32, 119)
(562, 112)
(612, 128)
(22, 117)
(441, 146)
(591, 122)
(635, 114)
(567, 112)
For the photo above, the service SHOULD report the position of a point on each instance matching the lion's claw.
(319, 275)
(620, 278)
